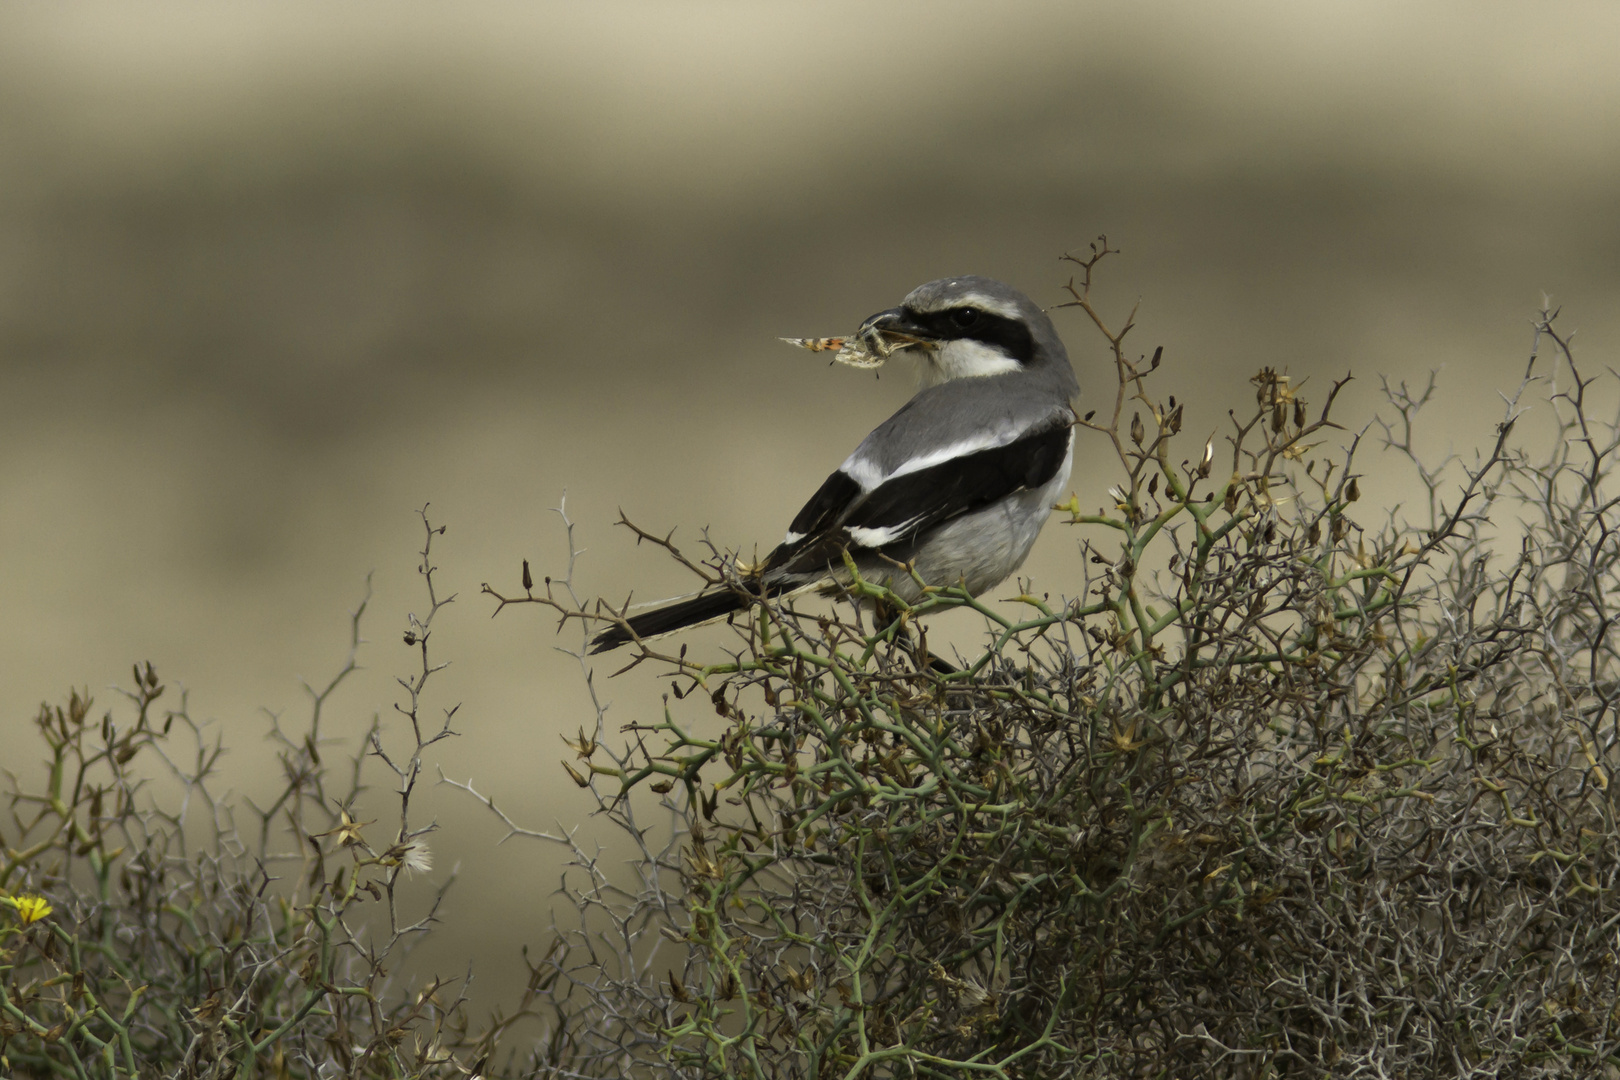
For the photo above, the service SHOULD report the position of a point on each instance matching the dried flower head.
(418, 858)
(347, 830)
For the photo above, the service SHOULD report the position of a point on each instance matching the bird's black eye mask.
(1011, 336)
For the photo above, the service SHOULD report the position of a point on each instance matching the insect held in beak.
(870, 348)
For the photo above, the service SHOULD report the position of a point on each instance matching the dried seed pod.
(1352, 490)
(1299, 412)
(1137, 431)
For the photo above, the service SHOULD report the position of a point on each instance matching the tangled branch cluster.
(159, 929)
(1280, 794)
(1280, 791)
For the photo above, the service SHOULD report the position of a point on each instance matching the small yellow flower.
(31, 909)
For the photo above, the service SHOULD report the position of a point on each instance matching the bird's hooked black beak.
(894, 329)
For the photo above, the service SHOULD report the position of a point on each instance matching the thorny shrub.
(1281, 792)
(159, 929)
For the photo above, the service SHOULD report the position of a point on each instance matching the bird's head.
(967, 327)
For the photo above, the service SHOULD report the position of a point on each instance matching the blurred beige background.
(273, 276)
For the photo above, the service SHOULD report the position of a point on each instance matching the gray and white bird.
(957, 483)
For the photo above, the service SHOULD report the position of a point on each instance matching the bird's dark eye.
(965, 318)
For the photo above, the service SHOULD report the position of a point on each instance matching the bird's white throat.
(963, 358)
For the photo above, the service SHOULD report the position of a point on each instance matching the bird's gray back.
(993, 409)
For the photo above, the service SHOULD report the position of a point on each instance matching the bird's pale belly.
(984, 548)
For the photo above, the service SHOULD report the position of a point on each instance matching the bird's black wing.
(910, 503)
(836, 495)
(839, 517)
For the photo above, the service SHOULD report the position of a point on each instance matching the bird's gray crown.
(971, 290)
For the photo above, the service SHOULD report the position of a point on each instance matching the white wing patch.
(870, 476)
(864, 472)
(966, 447)
(876, 538)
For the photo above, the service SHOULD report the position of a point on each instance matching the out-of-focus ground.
(274, 276)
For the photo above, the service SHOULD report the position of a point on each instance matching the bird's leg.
(884, 615)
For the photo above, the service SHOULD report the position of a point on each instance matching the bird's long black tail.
(683, 613)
